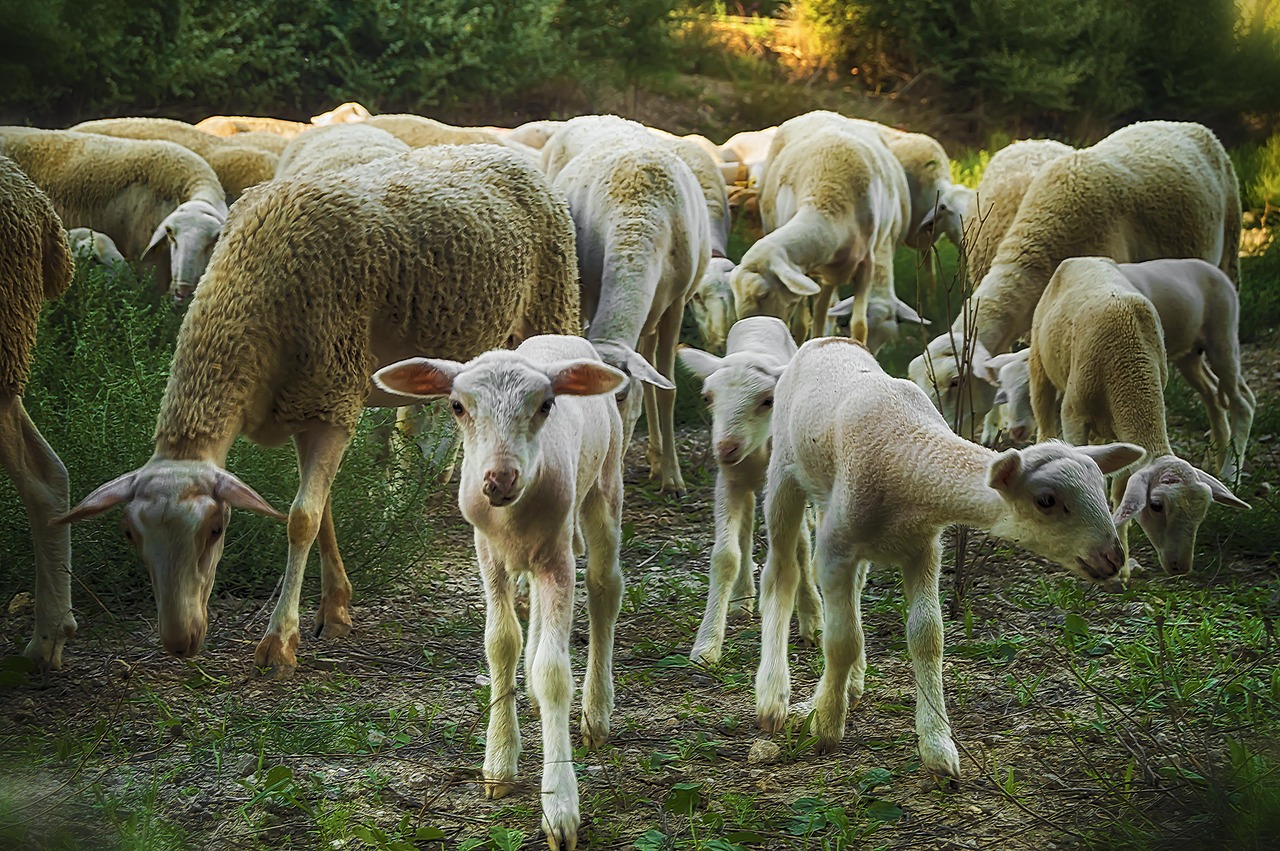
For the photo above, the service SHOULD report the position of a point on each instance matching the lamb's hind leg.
(601, 523)
(924, 643)
(333, 618)
(319, 454)
(668, 339)
(784, 517)
(808, 603)
(841, 574)
(1205, 383)
(41, 481)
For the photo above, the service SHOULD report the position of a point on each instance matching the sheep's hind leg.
(333, 618)
(602, 511)
(668, 339)
(1205, 383)
(808, 603)
(924, 644)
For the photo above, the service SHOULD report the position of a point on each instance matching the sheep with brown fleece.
(320, 280)
(336, 147)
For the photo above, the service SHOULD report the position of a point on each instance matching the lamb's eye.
(128, 534)
(458, 410)
(215, 533)
(545, 407)
(1046, 501)
(1157, 506)
(954, 383)
(706, 397)
(766, 402)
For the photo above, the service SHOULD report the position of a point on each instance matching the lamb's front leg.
(743, 600)
(502, 649)
(841, 574)
(808, 603)
(924, 643)
(784, 516)
(552, 681)
(734, 511)
(333, 618)
(602, 524)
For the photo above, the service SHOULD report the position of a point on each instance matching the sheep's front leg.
(668, 339)
(924, 643)
(841, 574)
(333, 618)
(602, 524)
(319, 454)
(734, 513)
(502, 649)
(808, 603)
(553, 683)
(41, 481)
(784, 518)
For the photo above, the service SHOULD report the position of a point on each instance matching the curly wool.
(336, 147)
(419, 132)
(442, 251)
(35, 264)
(121, 187)
(705, 169)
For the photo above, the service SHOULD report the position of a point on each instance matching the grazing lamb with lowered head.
(337, 147)
(318, 281)
(93, 247)
(542, 461)
(891, 475)
(35, 265)
(643, 241)
(750, 150)
(1098, 371)
(148, 196)
(739, 390)
(834, 202)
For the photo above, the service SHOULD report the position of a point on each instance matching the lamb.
(739, 390)
(535, 134)
(542, 462)
(237, 166)
(750, 150)
(349, 112)
(1098, 371)
(643, 240)
(337, 147)
(875, 452)
(148, 196)
(834, 200)
(232, 125)
(263, 140)
(318, 281)
(35, 265)
(93, 247)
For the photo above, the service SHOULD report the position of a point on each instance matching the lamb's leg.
(1044, 400)
(1223, 357)
(531, 647)
(734, 510)
(821, 304)
(1118, 486)
(808, 603)
(743, 599)
(862, 279)
(602, 525)
(784, 517)
(924, 643)
(41, 481)
(333, 618)
(668, 339)
(553, 683)
(502, 649)
(1196, 372)
(841, 574)
(647, 349)
(319, 454)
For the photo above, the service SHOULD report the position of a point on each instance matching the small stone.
(595, 770)
(20, 604)
(763, 752)
(417, 780)
(247, 765)
(976, 810)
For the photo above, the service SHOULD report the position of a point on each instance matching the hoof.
(495, 788)
(276, 656)
(595, 734)
(941, 759)
(560, 824)
(332, 620)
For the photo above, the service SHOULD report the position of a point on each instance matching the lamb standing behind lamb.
(35, 265)
(319, 280)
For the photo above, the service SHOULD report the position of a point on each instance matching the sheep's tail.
(57, 266)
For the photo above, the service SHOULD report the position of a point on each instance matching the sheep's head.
(189, 233)
(769, 284)
(948, 205)
(176, 515)
(1170, 499)
(347, 113)
(90, 246)
(960, 396)
(1015, 394)
(883, 319)
(1057, 503)
(501, 401)
(712, 304)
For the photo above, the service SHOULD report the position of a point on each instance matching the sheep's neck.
(806, 239)
(950, 482)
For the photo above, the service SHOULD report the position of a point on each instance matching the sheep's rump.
(34, 265)
(318, 279)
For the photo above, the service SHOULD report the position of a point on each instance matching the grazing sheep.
(93, 247)
(238, 166)
(964, 399)
(834, 202)
(643, 244)
(349, 112)
(1016, 417)
(318, 281)
(148, 196)
(232, 125)
(262, 140)
(337, 147)
(739, 390)
(35, 265)
(1098, 370)
(535, 134)
(542, 463)
(750, 150)
(891, 475)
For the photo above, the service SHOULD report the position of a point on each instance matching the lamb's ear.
(698, 362)
(423, 377)
(959, 198)
(907, 313)
(584, 377)
(638, 367)
(793, 279)
(982, 369)
(158, 237)
(236, 493)
(1135, 496)
(1113, 457)
(1005, 470)
(1221, 494)
(843, 307)
(113, 493)
(1002, 397)
(998, 362)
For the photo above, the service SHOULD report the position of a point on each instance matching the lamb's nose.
(1018, 433)
(500, 485)
(728, 451)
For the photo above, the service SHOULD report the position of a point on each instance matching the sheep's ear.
(907, 313)
(982, 369)
(1135, 496)
(1221, 494)
(1002, 397)
(998, 362)
(108, 496)
(1113, 457)
(584, 378)
(698, 362)
(843, 307)
(959, 198)
(793, 279)
(638, 367)
(1005, 470)
(156, 238)
(424, 377)
(236, 493)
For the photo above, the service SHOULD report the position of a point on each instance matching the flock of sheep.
(545, 271)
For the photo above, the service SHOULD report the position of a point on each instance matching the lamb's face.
(1058, 504)
(713, 305)
(739, 393)
(190, 233)
(1015, 395)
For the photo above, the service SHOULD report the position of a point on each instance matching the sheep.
(35, 265)
(739, 390)
(542, 463)
(1098, 371)
(318, 281)
(349, 112)
(232, 125)
(237, 166)
(535, 134)
(337, 147)
(891, 475)
(262, 140)
(93, 247)
(750, 150)
(643, 240)
(834, 200)
(1014, 394)
(937, 370)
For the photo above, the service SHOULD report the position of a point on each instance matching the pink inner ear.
(584, 379)
(415, 377)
